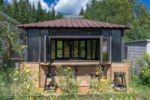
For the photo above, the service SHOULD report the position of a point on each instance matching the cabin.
(136, 48)
(79, 43)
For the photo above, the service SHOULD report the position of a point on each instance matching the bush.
(145, 68)
(66, 81)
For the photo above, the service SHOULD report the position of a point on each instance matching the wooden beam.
(40, 45)
(44, 48)
(110, 47)
(26, 52)
(122, 45)
(74, 37)
(49, 49)
(101, 49)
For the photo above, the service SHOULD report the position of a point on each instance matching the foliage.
(24, 12)
(137, 32)
(105, 89)
(127, 12)
(10, 42)
(20, 83)
(81, 11)
(145, 68)
(67, 82)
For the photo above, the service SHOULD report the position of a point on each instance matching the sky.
(68, 6)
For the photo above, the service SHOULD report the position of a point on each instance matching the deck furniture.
(120, 83)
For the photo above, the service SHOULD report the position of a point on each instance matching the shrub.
(145, 68)
(66, 81)
(20, 83)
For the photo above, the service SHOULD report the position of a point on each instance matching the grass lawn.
(143, 91)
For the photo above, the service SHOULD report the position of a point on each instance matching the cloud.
(43, 3)
(70, 6)
(63, 6)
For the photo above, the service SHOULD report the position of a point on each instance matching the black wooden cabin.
(74, 39)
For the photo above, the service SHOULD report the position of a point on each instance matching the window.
(94, 49)
(59, 49)
(82, 49)
(66, 49)
(53, 49)
(89, 49)
(74, 49)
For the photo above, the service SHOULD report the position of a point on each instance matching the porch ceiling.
(74, 37)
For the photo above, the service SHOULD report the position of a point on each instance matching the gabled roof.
(72, 23)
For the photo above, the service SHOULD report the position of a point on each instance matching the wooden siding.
(132, 50)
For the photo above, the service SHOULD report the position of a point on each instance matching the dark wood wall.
(36, 41)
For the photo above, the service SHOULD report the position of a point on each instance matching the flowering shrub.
(66, 81)
(145, 68)
(105, 88)
(24, 82)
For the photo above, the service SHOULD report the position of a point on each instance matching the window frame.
(71, 43)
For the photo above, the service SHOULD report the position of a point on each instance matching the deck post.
(122, 45)
(40, 45)
(110, 47)
(101, 49)
(44, 48)
(49, 49)
(26, 52)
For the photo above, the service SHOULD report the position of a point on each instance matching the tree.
(24, 12)
(137, 32)
(81, 11)
(52, 13)
(33, 14)
(39, 12)
(59, 15)
(15, 10)
(1, 2)
(121, 12)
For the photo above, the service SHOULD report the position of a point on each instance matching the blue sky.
(147, 3)
(69, 6)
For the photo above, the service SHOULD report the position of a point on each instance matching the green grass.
(143, 90)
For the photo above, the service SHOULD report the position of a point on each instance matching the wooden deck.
(83, 67)
(72, 63)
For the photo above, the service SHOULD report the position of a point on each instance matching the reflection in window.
(53, 49)
(75, 49)
(105, 49)
(82, 49)
(93, 49)
(88, 49)
(59, 49)
(66, 48)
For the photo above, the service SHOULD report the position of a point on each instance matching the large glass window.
(66, 49)
(89, 46)
(82, 49)
(53, 49)
(74, 49)
(59, 49)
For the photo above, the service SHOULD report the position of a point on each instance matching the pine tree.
(15, 10)
(59, 15)
(122, 12)
(81, 11)
(39, 12)
(33, 14)
(1, 2)
(52, 13)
